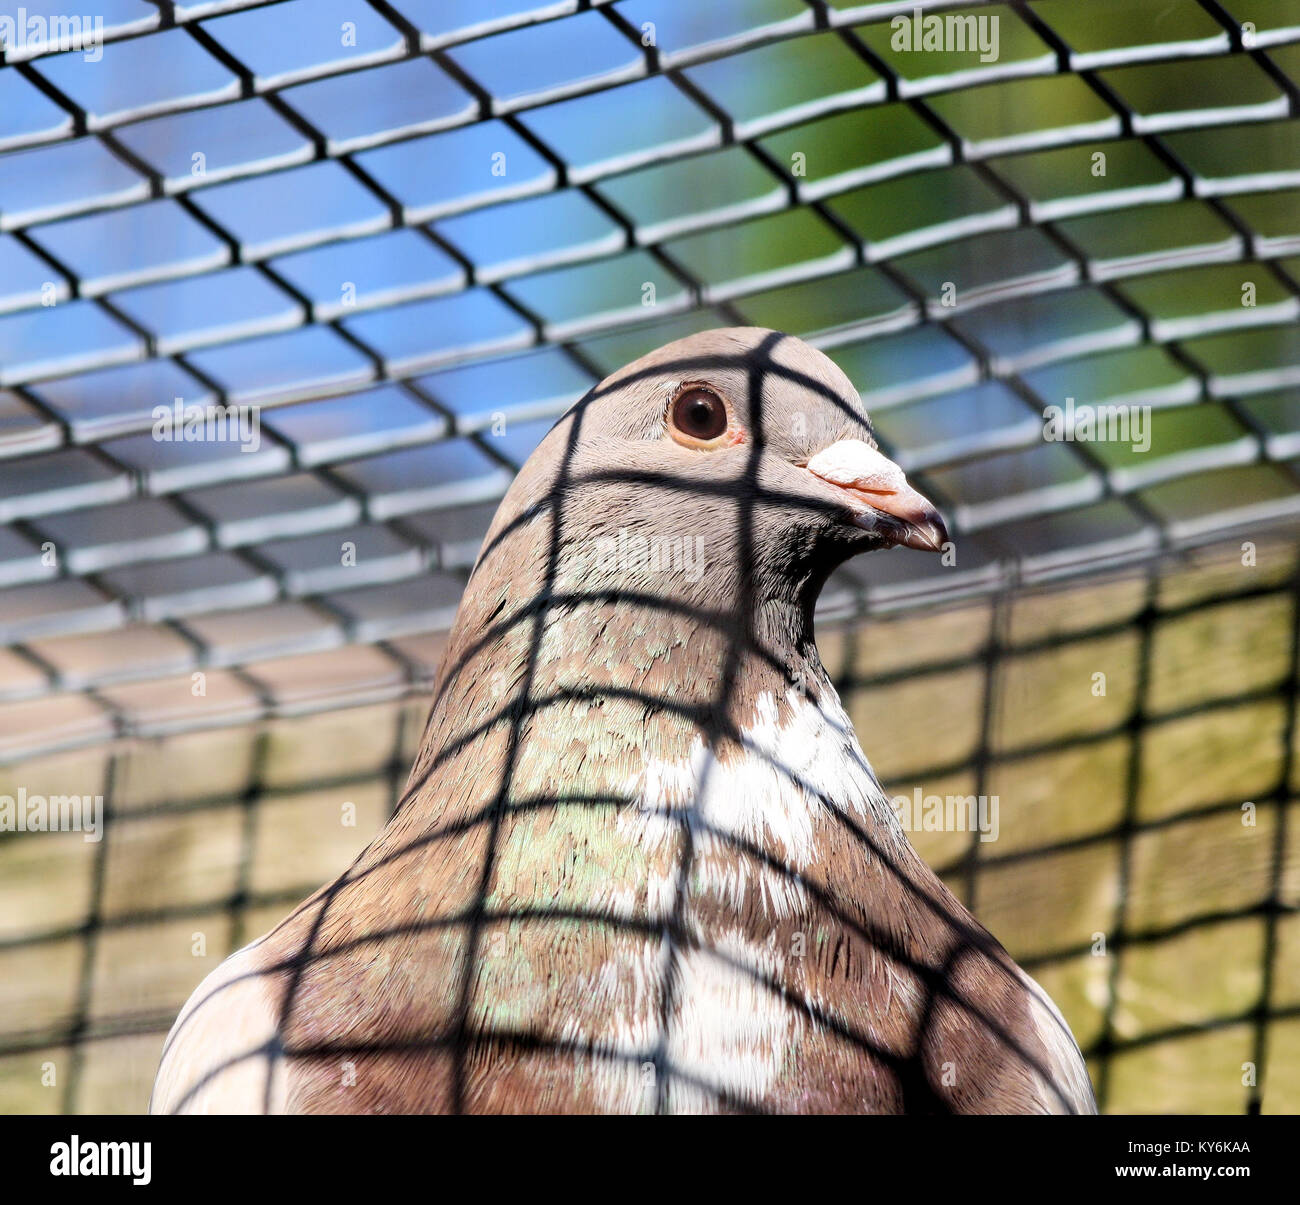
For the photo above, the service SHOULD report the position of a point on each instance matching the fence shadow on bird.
(641, 863)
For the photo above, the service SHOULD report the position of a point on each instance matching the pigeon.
(641, 864)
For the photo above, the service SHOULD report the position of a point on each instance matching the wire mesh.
(87, 1021)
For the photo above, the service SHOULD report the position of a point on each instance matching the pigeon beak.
(877, 491)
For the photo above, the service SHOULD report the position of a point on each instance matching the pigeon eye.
(698, 416)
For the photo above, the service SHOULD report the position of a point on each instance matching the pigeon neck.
(679, 671)
(561, 641)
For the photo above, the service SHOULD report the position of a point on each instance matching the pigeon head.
(737, 462)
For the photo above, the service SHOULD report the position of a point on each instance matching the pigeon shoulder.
(222, 1054)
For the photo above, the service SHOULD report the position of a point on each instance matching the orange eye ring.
(699, 418)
